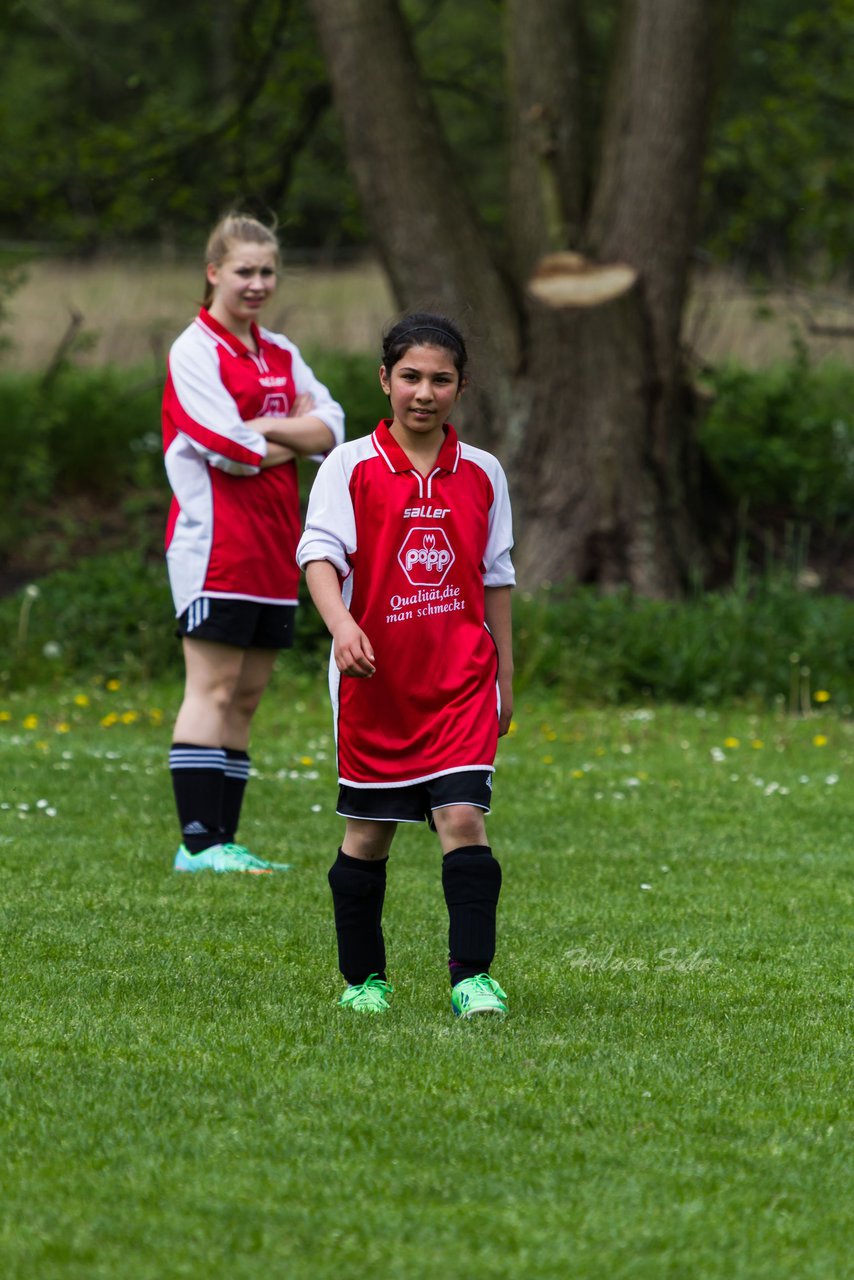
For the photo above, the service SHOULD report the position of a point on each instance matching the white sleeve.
(330, 523)
(328, 410)
(498, 568)
(207, 415)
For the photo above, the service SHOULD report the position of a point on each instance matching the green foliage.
(81, 431)
(782, 440)
(110, 614)
(780, 172)
(113, 614)
(146, 121)
(149, 120)
(767, 644)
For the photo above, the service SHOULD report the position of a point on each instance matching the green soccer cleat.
(262, 863)
(480, 994)
(221, 857)
(370, 996)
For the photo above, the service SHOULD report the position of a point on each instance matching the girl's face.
(242, 283)
(423, 388)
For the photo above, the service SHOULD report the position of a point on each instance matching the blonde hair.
(235, 228)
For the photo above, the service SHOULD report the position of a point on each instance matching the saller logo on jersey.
(426, 556)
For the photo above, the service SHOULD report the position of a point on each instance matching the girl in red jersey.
(239, 408)
(406, 551)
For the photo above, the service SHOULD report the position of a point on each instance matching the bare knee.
(368, 840)
(243, 703)
(459, 825)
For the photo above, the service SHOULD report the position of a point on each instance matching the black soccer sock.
(471, 879)
(358, 892)
(197, 780)
(234, 784)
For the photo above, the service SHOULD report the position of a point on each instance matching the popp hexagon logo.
(426, 556)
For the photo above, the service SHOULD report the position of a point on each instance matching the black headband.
(431, 328)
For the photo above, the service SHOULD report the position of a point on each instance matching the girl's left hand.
(303, 405)
(505, 716)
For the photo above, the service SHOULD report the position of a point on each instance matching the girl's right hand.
(302, 405)
(353, 651)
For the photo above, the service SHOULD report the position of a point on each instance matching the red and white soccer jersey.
(233, 528)
(415, 554)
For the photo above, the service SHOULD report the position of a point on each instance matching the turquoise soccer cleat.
(480, 994)
(221, 857)
(370, 996)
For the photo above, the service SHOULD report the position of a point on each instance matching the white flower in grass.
(804, 778)
(52, 649)
(24, 808)
(317, 808)
(832, 779)
(632, 782)
(717, 755)
(646, 886)
(42, 804)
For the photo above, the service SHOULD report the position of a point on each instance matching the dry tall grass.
(132, 308)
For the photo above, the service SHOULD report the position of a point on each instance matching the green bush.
(782, 439)
(113, 615)
(94, 432)
(110, 614)
(774, 643)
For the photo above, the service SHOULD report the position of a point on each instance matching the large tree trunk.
(606, 483)
(422, 224)
(577, 379)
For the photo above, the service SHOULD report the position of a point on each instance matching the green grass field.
(670, 1096)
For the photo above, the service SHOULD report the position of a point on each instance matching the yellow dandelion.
(821, 695)
(109, 719)
(30, 722)
(113, 685)
(81, 699)
(550, 735)
(578, 773)
(819, 740)
(155, 715)
(732, 743)
(42, 745)
(548, 759)
(306, 760)
(130, 717)
(63, 727)
(5, 715)
(600, 751)
(757, 744)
